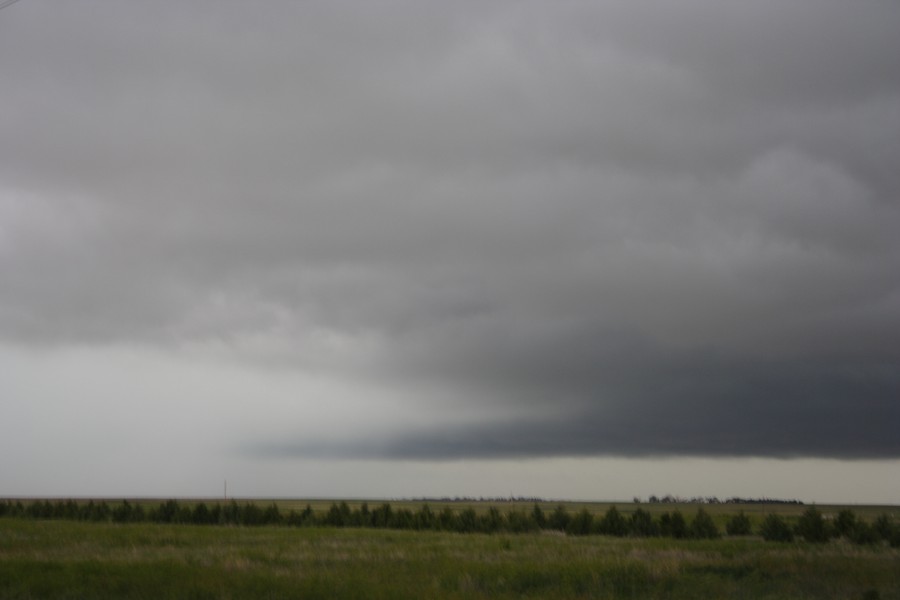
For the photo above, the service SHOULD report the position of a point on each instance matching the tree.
(382, 516)
(884, 527)
(123, 513)
(137, 514)
(775, 529)
(467, 521)
(643, 525)
(845, 523)
(492, 521)
(811, 526)
(251, 514)
(673, 525)
(581, 523)
(272, 516)
(201, 515)
(338, 515)
(167, 512)
(703, 527)
(863, 533)
(231, 514)
(425, 518)
(613, 523)
(519, 522)
(403, 519)
(537, 515)
(739, 524)
(362, 517)
(304, 518)
(447, 520)
(559, 518)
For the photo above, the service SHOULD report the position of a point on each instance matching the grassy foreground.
(61, 559)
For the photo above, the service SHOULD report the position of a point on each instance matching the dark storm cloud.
(594, 228)
(599, 393)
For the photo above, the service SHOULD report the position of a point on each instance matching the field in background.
(61, 559)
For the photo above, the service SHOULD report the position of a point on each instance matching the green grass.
(58, 559)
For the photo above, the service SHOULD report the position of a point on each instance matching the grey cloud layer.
(600, 227)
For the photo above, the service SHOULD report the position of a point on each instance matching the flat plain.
(67, 559)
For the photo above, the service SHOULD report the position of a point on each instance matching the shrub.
(272, 516)
(403, 519)
(230, 514)
(581, 523)
(537, 515)
(643, 525)
(775, 529)
(613, 523)
(304, 518)
(338, 515)
(559, 518)
(425, 518)
(845, 523)
(251, 514)
(884, 527)
(518, 522)
(673, 525)
(448, 520)
(382, 516)
(862, 533)
(201, 515)
(362, 517)
(467, 521)
(492, 521)
(811, 526)
(703, 527)
(167, 512)
(739, 524)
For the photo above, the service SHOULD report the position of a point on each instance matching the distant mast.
(226, 489)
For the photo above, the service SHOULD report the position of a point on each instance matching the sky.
(585, 250)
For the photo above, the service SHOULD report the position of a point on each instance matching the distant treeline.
(670, 499)
(496, 499)
(811, 526)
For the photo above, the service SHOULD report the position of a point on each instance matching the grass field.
(62, 559)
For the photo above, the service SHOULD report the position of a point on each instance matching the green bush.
(775, 529)
(845, 523)
(613, 523)
(642, 524)
(447, 520)
(673, 525)
(581, 523)
(812, 527)
(537, 515)
(519, 522)
(467, 521)
(703, 527)
(739, 524)
(559, 518)
(884, 527)
(382, 516)
(863, 533)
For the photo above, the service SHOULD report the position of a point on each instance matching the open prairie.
(65, 559)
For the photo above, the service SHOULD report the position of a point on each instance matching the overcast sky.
(568, 249)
